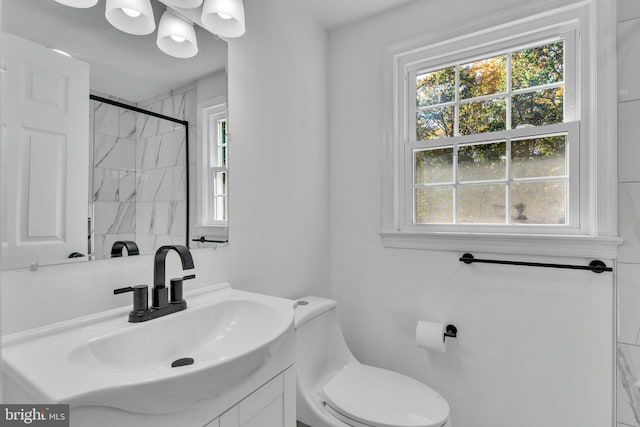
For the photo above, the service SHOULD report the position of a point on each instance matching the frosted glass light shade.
(78, 3)
(176, 37)
(138, 25)
(184, 4)
(224, 17)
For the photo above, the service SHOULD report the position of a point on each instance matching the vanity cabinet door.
(264, 407)
(272, 405)
(45, 153)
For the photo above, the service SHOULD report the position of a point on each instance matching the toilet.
(335, 390)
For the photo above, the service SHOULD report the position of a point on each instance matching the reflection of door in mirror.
(44, 154)
(139, 172)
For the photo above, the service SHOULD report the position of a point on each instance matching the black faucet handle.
(140, 296)
(177, 288)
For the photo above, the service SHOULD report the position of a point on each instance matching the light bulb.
(224, 16)
(132, 13)
(177, 39)
(61, 52)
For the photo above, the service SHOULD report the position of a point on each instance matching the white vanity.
(234, 351)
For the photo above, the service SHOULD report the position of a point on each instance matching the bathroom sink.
(223, 337)
(216, 332)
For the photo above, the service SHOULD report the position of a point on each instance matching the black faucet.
(160, 292)
(118, 247)
(161, 305)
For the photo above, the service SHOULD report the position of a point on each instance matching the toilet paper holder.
(450, 331)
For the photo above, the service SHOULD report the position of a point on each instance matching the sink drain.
(182, 362)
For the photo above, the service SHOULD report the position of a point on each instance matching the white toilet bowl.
(335, 390)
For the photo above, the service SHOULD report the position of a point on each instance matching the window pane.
(538, 66)
(539, 202)
(481, 204)
(434, 205)
(220, 208)
(436, 87)
(222, 156)
(538, 108)
(223, 131)
(434, 123)
(483, 116)
(434, 166)
(482, 161)
(539, 157)
(484, 77)
(221, 183)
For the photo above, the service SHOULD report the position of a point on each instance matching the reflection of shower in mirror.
(139, 173)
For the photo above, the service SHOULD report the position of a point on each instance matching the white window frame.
(590, 106)
(566, 33)
(210, 112)
(215, 115)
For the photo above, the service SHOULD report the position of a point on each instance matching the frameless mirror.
(141, 139)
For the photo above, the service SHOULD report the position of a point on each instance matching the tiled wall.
(139, 177)
(160, 155)
(628, 271)
(114, 176)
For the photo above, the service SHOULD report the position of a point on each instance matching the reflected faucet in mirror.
(118, 248)
(161, 305)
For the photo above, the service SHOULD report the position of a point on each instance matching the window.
(492, 139)
(213, 170)
(218, 166)
(503, 139)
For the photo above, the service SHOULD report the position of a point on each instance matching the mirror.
(142, 159)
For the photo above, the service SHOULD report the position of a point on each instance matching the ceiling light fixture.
(78, 3)
(131, 16)
(224, 17)
(184, 4)
(176, 37)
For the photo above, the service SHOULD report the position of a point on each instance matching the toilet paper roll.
(430, 335)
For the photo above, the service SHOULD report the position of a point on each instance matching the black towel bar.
(596, 266)
(201, 239)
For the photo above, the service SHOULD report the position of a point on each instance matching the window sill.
(212, 232)
(521, 244)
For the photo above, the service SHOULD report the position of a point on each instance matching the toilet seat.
(369, 396)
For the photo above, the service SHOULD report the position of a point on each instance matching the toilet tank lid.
(310, 307)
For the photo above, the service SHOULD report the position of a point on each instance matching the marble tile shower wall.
(140, 173)
(161, 164)
(114, 176)
(628, 266)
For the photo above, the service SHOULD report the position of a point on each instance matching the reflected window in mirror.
(213, 211)
(218, 168)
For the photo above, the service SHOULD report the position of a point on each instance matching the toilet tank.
(321, 351)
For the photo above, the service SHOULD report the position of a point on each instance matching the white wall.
(279, 218)
(278, 120)
(535, 346)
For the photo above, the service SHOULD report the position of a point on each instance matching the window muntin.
(464, 175)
